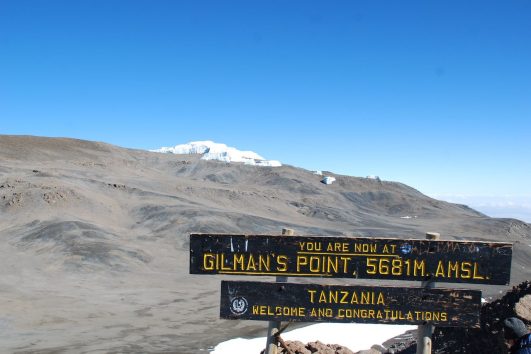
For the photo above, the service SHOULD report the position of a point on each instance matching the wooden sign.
(361, 304)
(352, 257)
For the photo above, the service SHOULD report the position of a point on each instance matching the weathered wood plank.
(351, 257)
(361, 304)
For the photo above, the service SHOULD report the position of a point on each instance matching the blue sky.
(434, 94)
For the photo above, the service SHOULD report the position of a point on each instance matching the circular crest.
(238, 305)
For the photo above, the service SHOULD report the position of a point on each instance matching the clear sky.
(434, 94)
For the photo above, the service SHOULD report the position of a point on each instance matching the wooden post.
(274, 326)
(424, 332)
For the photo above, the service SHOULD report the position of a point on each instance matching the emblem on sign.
(406, 248)
(238, 306)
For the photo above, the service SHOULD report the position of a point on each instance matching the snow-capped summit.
(214, 151)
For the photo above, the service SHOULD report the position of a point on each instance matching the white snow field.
(355, 336)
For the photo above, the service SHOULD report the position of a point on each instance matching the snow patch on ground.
(328, 180)
(355, 336)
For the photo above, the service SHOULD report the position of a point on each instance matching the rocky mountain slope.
(94, 239)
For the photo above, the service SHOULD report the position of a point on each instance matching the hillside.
(94, 239)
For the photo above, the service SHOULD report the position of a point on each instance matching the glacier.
(221, 152)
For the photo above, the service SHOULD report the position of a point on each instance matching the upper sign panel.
(351, 257)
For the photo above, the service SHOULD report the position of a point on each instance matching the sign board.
(361, 304)
(352, 257)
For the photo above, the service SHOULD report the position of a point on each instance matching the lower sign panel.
(336, 303)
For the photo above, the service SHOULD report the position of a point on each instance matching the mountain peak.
(216, 151)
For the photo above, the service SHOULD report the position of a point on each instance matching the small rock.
(523, 308)
(342, 350)
(320, 348)
(297, 347)
(379, 348)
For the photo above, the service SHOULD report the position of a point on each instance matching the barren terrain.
(94, 239)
